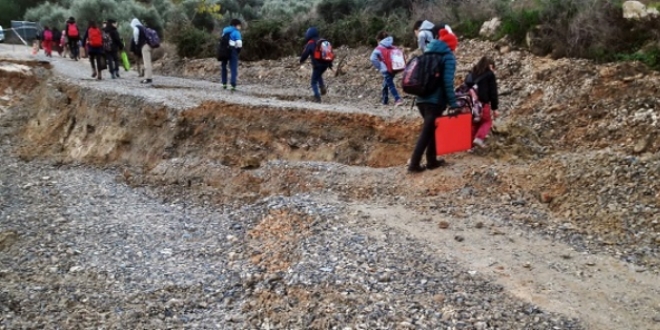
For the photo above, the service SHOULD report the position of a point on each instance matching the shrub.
(191, 42)
(335, 10)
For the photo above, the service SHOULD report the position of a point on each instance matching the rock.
(479, 225)
(527, 265)
(642, 145)
(250, 163)
(459, 238)
(656, 318)
(489, 28)
(7, 239)
(635, 10)
(546, 198)
(443, 224)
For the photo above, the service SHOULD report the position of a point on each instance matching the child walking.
(484, 74)
(382, 58)
(321, 54)
(47, 42)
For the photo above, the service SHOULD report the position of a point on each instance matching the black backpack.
(436, 30)
(107, 41)
(224, 53)
(424, 74)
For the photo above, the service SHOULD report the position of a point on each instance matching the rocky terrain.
(183, 206)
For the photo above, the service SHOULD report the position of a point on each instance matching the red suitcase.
(453, 134)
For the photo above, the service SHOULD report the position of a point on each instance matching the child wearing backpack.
(73, 37)
(47, 41)
(483, 79)
(93, 41)
(231, 43)
(320, 51)
(389, 61)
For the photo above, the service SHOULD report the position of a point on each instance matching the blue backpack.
(152, 37)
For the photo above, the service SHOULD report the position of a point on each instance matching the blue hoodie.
(377, 56)
(312, 34)
(445, 93)
(235, 39)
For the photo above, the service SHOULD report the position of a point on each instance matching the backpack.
(468, 99)
(48, 35)
(223, 48)
(394, 59)
(107, 42)
(435, 31)
(72, 30)
(153, 40)
(323, 51)
(95, 37)
(423, 74)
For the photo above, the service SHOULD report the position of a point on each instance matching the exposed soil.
(561, 211)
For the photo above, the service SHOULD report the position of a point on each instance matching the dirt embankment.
(577, 141)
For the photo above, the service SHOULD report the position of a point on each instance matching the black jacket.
(486, 89)
(117, 45)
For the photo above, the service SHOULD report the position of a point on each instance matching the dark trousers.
(426, 141)
(74, 48)
(112, 60)
(233, 67)
(97, 62)
(317, 79)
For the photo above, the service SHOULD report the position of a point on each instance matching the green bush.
(192, 42)
(516, 24)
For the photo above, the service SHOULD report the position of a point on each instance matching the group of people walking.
(437, 39)
(103, 45)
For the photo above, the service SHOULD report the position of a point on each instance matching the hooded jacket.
(445, 94)
(425, 35)
(312, 34)
(377, 55)
(486, 88)
(235, 38)
(139, 39)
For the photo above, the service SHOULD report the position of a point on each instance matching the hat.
(449, 38)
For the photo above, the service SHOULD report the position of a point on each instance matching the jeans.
(74, 48)
(112, 58)
(233, 66)
(317, 79)
(388, 85)
(426, 141)
(481, 129)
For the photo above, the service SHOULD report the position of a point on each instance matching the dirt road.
(183, 206)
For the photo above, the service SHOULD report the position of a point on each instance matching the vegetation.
(273, 28)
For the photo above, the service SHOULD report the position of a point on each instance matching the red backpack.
(394, 59)
(48, 35)
(95, 37)
(72, 30)
(323, 51)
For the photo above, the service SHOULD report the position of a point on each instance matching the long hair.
(482, 66)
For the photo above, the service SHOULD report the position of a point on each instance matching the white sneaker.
(479, 143)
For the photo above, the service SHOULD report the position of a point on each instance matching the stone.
(489, 28)
(443, 224)
(459, 238)
(479, 225)
(546, 198)
(635, 10)
(641, 146)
